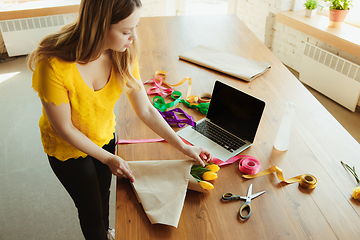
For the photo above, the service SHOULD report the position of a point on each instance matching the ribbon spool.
(204, 98)
(249, 165)
(306, 181)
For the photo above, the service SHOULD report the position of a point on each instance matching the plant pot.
(310, 12)
(337, 17)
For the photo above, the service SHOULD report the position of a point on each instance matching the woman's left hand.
(200, 154)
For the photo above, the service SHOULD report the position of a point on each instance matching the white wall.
(150, 8)
(286, 43)
(260, 16)
(159, 8)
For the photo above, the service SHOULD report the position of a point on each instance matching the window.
(353, 16)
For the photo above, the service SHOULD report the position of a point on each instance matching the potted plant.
(311, 8)
(338, 11)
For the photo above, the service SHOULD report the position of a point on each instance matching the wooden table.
(318, 144)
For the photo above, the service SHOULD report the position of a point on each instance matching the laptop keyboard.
(219, 136)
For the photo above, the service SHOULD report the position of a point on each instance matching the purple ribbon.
(172, 118)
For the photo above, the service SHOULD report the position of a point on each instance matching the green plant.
(311, 4)
(339, 4)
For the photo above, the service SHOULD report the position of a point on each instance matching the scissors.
(245, 206)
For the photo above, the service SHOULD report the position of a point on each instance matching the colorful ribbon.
(306, 181)
(141, 141)
(197, 102)
(202, 107)
(172, 118)
(158, 89)
(160, 104)
(247, 164)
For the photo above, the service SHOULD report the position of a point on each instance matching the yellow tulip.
(356, 193)
(213, 167)
(209, 176)
(206, 185)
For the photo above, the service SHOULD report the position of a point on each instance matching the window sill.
(39, 8)
(346, 38)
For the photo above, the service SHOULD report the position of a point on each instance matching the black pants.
(88, 181)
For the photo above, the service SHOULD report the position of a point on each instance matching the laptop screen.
(235, 111)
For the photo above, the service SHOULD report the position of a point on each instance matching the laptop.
(230, 125)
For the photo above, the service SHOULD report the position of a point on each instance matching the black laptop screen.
(235, 111)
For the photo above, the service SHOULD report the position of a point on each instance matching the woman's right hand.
(119, 167)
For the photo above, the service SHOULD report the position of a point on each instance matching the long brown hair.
(83, 40)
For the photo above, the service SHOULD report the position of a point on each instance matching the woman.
(79, 74)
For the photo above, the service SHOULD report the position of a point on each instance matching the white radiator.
(21, 35)
(333, 76)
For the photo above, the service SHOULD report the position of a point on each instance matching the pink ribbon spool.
(249, 165)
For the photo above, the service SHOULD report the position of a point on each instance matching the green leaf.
(196, 177)
(352, 171)
(198, 169)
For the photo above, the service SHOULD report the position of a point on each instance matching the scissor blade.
(248, 196)
(257, 194)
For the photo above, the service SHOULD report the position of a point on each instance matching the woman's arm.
(60, 119)
(152, 118)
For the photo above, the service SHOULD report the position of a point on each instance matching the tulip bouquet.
(356, 193)
(205, 174)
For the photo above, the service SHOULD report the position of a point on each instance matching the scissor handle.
(245, 207)
(229, 196)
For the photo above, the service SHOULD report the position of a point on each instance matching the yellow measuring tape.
(306, 181)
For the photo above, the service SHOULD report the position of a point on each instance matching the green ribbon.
(202, 107)
(160, 104)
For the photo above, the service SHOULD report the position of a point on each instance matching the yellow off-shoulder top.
(92, 112)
